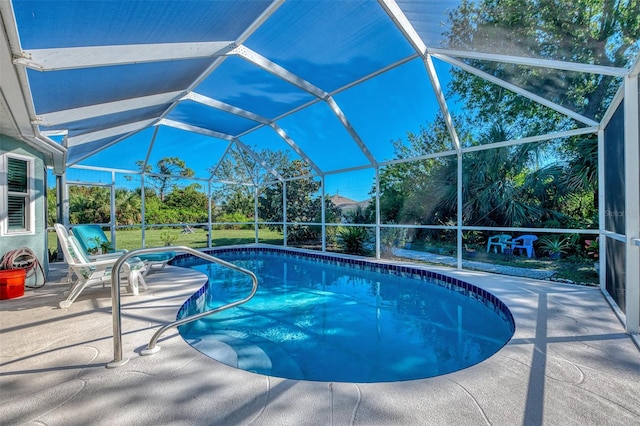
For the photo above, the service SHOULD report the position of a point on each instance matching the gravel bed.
(539, 274)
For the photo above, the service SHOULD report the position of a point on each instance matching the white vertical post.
(601, 213)
(377, 212)
(323, 215)
(63, 193)
(112, 210)
(284, 211)
(142, 209)
(459, 212)
(632, 202)
(64, 200)
(255, 212)
(209, 214)
(62, 206)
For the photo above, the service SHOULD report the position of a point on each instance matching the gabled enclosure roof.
(118, 81)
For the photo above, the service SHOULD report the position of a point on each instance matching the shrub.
(352, 239)
(593, 248)
(392, 237)
(168, 238)
(235, 217)
(555, 245)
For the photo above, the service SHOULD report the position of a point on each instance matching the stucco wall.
(37, 241)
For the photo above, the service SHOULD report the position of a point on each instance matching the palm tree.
(128, 207)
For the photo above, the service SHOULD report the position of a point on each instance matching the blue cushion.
(164, 256)
(86, 235)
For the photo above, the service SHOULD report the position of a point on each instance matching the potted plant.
(593, 251)
(96, 246)
(470, 251)
(554, 246)
(105, 246)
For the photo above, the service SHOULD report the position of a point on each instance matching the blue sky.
(328, 44)
(381, 110)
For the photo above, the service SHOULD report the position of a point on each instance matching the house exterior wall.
(35, 238)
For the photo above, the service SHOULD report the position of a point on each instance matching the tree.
(242, 173)
(601, 32)
(550, 183)
(505, 186)
(156, 212)
(128, 207)
(89, 204)
(604, 32)
(303, 202)
(419, 192)
(191, 204)
(52, 211)
(169, 169)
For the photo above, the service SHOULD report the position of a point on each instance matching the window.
(18, 202)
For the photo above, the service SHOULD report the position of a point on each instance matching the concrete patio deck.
(569, 363)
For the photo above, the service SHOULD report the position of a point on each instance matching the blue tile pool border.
(194, 303)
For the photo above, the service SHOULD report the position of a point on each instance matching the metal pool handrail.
(115, 300)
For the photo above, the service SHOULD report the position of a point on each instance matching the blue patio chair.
(498, 242)
(88, 237)
(524, 242)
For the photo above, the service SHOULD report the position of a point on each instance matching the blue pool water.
(325, 321)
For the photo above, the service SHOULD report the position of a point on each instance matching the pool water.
(320, 321)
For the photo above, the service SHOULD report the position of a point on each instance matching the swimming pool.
(317, 317)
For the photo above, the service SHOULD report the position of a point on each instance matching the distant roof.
(347, 204)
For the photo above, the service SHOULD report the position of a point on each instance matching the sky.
(381, 110)
(330, 44)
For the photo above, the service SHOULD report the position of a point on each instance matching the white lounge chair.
(92, 272)
(88, 236)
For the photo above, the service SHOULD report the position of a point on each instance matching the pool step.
(283, 365)
(214, 348)
(235, 349)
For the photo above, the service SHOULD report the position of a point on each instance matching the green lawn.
(132, 239)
